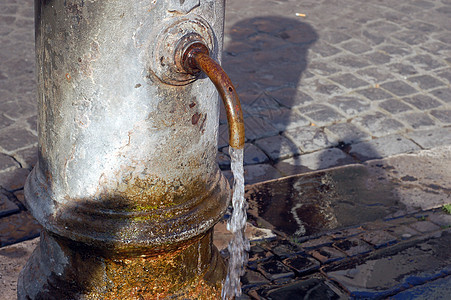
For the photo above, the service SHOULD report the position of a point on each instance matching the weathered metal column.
(126, 186)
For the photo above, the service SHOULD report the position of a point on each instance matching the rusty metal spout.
(196, 59)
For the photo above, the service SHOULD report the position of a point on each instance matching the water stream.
(238, 245)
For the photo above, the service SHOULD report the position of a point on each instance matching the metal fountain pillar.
(127, 187)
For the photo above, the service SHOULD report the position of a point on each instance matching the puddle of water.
(238, 245)
(309, 204)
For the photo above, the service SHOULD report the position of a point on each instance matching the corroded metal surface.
(127, 163)
(197, 58)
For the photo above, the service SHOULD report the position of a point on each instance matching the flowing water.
(238, 245)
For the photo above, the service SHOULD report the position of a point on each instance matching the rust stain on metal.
(195, 118)
(195, 59)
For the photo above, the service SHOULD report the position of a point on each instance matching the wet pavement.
(352, 100)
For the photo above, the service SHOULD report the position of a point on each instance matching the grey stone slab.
(378, 124)
(403, 69)
(327, 254)
(396, 50)
(325, 49)
(258, 128)
(375, 74)
(422, 102)
(411, 37)
(17, 228)
(259, 173)
(379, 238)
(445, 75)
(424, 226)
(349, 81)
(443, 94)
(277, 147)
(7, 162)
(290, 97)
(374, 93)
(426, 62)
(310, 138)
(443, 115)
(350, 106)
(437, 289)
(378, 58)
(318, 160)
(310, 288)
(390, 272)
(353, 246)
(13, 179)
(382, 147)
(399, 88)
(356, 47)
(395, 106)
(283, 119)
(6, 206)
(418, 120)
(347, 133)
(15, 138)
(351, 61)
(321, 114)
(426, 82)
(431, 138)
(253, 155)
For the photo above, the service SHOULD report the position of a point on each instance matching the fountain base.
(63, 269)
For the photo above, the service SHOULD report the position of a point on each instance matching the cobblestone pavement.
(323, 83)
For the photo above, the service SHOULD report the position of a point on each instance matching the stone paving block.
(283, 248)
(349, 81)
(253, 155)
(318, 160)
(302, 264)
(403, 69)
(290, 97)
(346, 233)
(382, 147)
(378, 124)
(437, 289)
(347, 133)
(422, 102)
(418, 120)
(411, 37)
(252, 279)
(394, 106)
(353, 246)
(7, 163)
(258, 173)
(441, 219)
(324, 49)
(258, 128)
(356, 47)
(396, 50)
(351, 61)
(277, 147)
(310, 139)
(443, 115)
(445, 75)
(327, 254)
(17, 138)
(374, 94)
(284, 119)
(395, 269)
(399, 88)
(7, 207)
(374, 75)
(27, 157)
(424, 226)
(403, 232)
(378, 58)
(18, 227)
(258, 254)
(443, 94)
(5, 121)
(431, 138)
(350, 106)
(323, 69)
(321, 241)
(426, 62)
(13, 179)
(274, 269)
(321, 114)
(379, 238)
(426, 82)
(311, 288)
